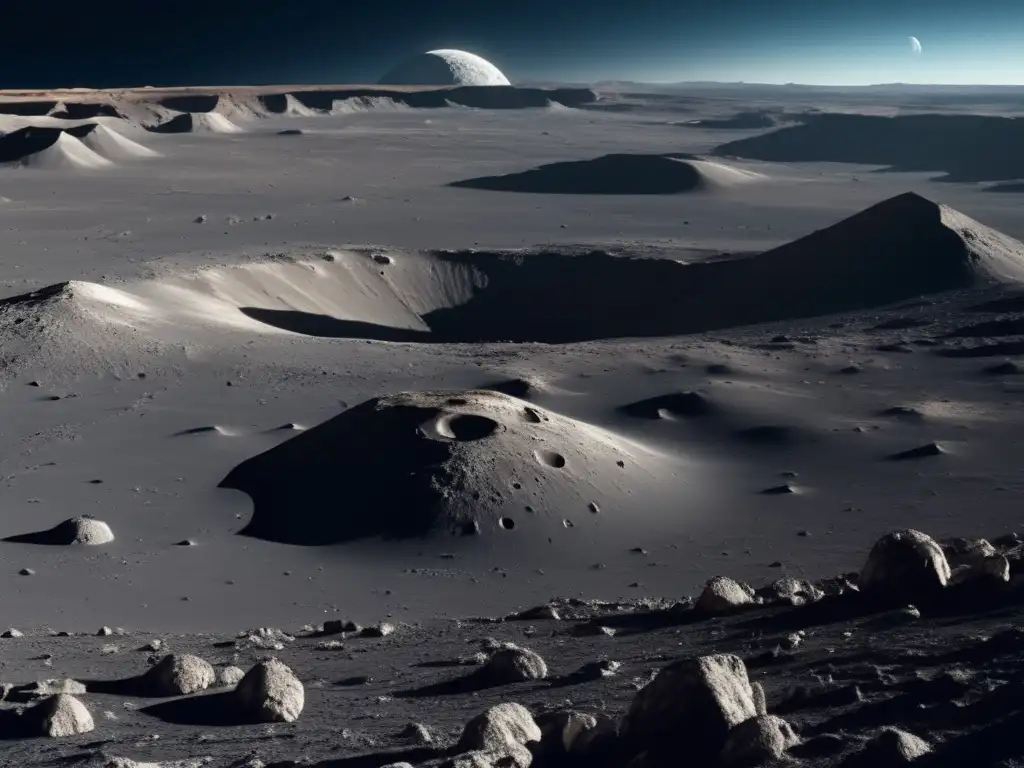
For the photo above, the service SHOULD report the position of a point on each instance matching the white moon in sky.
(915, 45)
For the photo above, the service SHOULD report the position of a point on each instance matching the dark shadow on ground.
(966, 147)
(204, 709)
(325, 326)
(617, 174)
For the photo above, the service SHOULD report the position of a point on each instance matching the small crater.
(568, 524)
(506, 523)
(457, 401)
(551, 459)
(381, 258)
(467, 427)
(592, 506)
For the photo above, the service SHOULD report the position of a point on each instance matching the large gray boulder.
(513, 664)
(57, 716)
(692, 705)
(270, 692)
(904, 565)
(758, 740)
(180, 674)
(724, 595)
(496, 737)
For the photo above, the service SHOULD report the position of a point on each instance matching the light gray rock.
(692, 704)
(498, 737)
(179, 675)
(418, 733)
(230, 676)
(57, 717)
(795, 591)
(83, 530)
(270, 692)
(904, 564)
(893, 746)
(724, 595)
(513, 664)
(758, 740)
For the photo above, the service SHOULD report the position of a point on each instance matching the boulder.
(692, 705)
(418, 733)
(57, 716)
(179, 674)
(904, 565)
(270, 692)
(758, 740)
(230, 676)
(561, 730)
(379, 630)
(893, 746)
(724, 595)
(513, 664)
(794, 591)
(498, 736)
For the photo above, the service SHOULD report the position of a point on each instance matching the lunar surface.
(438, 424)
(445, 67)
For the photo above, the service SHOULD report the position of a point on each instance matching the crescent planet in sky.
(915, 44)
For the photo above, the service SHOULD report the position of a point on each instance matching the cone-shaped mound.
(110, 144)
(48, 148)
(78, 530)
(197, 122)
(618, 174)
(445, 67)
(416, 464)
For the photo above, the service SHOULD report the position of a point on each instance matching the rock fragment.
(270, 692)
(513, 664)
(724, 595)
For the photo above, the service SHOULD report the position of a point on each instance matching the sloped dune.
(197, 122)
(619, 174)
(49, 148)
(110, 144)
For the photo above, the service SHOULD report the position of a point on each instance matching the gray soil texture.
(686, 418)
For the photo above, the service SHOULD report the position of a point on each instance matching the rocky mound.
(618, 174)
(416, 464)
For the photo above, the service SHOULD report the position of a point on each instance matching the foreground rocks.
(817, 673)
(270, 692)
(180, 675)
(57, 716)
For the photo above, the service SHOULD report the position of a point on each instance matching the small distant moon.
(915, 44)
